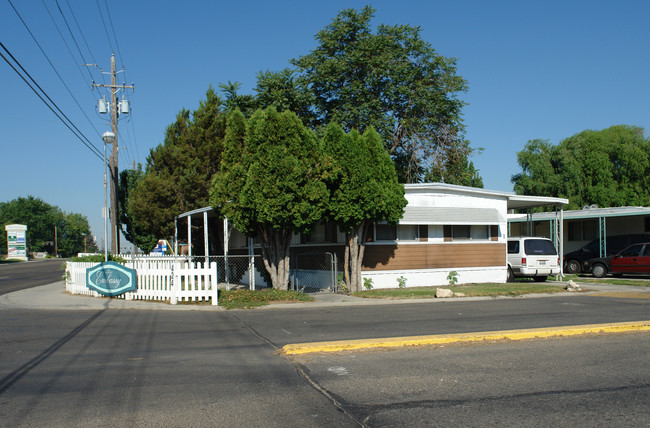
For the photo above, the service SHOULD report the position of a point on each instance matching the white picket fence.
(164, 279)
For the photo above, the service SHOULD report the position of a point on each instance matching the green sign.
(16, 243)
(111, 279)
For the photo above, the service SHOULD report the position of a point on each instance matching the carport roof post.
(205, 213)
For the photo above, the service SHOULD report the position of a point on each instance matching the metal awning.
(451, 216)
(199, 212)
(526, 202)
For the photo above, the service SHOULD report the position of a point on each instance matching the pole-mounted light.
(109, 138)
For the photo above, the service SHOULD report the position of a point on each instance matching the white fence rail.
(163, 279)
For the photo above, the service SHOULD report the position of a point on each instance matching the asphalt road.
(578, 382)
(21, 275)
(340, 323)
(222, 368)
(149, 368)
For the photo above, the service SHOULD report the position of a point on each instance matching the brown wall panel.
(432, 256)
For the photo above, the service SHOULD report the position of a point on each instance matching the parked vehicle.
(634, 259)
(532, 257)
(574, 261)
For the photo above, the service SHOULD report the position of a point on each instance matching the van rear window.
(539, 247)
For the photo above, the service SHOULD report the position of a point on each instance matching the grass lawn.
(642, 282)
(246, 299)
(470, 290)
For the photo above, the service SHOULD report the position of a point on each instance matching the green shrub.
(401, 282)
(97, 258)
(452, 277)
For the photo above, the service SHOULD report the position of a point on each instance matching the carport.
(555, 218)
(601, 222)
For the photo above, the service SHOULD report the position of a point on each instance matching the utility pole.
(113, 159)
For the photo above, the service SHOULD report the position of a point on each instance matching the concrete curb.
(440, 339)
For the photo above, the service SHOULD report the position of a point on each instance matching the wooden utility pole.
(113, 159)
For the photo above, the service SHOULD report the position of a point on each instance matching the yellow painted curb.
(440, 339)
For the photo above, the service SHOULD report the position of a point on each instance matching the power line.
(119, 52)
(65, 43)
(51, 65)
(104, 22)
(83, 37)
(128, 155)
(69, 124)
(110, 20)
(74, 39)
(137, 151)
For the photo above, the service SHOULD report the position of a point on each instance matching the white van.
(532, 257)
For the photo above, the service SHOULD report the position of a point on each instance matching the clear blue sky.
(536, 69)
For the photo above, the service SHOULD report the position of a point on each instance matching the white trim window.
(408, 232)
(465, 232)
(385, 232)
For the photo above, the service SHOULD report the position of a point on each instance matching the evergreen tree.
(271, 183)
(364, 190)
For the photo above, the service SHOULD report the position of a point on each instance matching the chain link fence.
(314, 272)
(309, 272)
(237, 271)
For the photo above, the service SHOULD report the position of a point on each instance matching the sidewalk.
(54, 297)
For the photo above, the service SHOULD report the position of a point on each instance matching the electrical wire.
(110, 20)
(119, 52)
(94, 62)
(105, 28)
(74, 39)
(53, 67)
(66, 45)
(137, 151)
(128, 155)
(69, 124)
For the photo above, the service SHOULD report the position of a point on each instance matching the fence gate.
(314, 272)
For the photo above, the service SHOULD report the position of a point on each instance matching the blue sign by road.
(111, 279)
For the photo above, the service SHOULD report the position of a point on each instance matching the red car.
(635, 259)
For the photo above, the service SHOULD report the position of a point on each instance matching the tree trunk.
(275, 253)
(346, 263)
(356, 246)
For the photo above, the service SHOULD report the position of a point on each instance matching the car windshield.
(539, 247)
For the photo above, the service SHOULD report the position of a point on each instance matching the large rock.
(444, 292)
(572, 286)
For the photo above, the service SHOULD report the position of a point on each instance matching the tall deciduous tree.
(391, 80)
(608, 168)
(234, 100)
(284, 90)
(179, 172)
(271, 183)
(364, 190)
(75, 236)
(42, 219)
